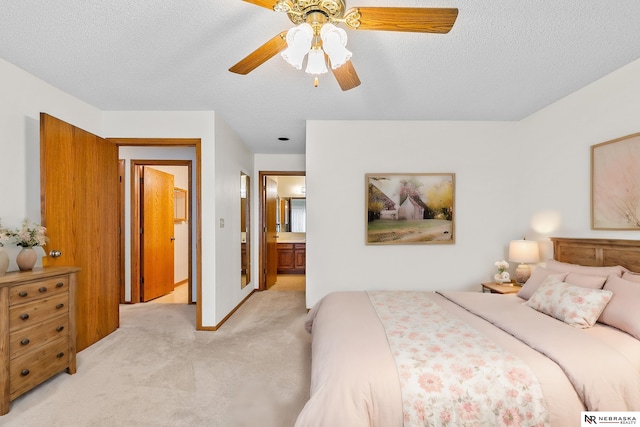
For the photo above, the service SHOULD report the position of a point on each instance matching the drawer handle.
(43, 289)
(59, 284)
(60, 328)
(24, 372)
(25, 341)
(59, 306)
(23, 294)
(59, 355)
(24, 316)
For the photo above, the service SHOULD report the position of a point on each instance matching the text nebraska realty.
(610, 419)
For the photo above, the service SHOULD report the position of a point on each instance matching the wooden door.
(270, 238)
(79, 196)
(156, 246)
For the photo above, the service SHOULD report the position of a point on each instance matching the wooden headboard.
(598, 252)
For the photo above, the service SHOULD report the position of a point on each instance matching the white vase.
(4, 261)
(26, 259)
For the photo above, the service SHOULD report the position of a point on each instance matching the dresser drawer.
(29, 314)
(27, 339)
(30, 291)
(38, 365)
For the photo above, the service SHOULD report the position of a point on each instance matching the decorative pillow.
(593, 282)
(632, 277)
(574, 305)
(537, 277)
(623, 311)
(565, 267)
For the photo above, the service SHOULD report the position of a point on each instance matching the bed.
(568, 342)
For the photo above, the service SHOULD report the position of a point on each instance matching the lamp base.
(523, 272)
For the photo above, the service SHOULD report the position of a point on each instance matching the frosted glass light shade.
(298, 44)
(334, 40)
(316, 63)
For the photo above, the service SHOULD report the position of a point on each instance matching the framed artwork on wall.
(615, 184)
(410, 208)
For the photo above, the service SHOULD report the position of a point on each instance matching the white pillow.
(574, 305)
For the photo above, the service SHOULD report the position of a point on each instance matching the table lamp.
(523, 252)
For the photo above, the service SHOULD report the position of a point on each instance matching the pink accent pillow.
(623, 311)
(632, 277)
(535, 280)
(574, 305)
(593, 282)
(566, 267)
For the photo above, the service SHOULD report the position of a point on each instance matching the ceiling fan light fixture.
(334, 42)
(315, 62)
(299, 40)
(282, 6)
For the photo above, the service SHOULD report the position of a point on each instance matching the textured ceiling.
(503, 60)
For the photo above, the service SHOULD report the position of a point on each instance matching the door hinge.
(141, 280)
(141, 180)
(141, 230)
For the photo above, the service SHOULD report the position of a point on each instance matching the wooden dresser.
(37, 322)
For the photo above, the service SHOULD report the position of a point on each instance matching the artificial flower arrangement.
(29, 235)
(5, 235)
(503, 274)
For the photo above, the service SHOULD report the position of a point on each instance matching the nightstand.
(499, 288)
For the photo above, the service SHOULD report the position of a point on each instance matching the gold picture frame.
(410, 208)
(615, 184)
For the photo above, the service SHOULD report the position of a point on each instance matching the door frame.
(136, 222)
(262, 252)
(195, 212)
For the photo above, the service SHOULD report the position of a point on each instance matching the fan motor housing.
(301, 9)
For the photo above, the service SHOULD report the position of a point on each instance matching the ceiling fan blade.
(346, 76)
(408, 19)
(262, 3)
(260, 55)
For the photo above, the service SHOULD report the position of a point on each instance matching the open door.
(79, 185)
(271, 232)
(157, 240)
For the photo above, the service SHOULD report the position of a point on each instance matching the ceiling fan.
(317, 37)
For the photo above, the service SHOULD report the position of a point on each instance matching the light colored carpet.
(156, 370)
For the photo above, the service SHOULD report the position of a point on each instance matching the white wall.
(23, 97)
(340, 153)
(231, 158)
(509, 177)
(556, 142)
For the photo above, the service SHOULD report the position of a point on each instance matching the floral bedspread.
(451, 375)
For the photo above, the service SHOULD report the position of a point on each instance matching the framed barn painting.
(410, 208)
(615, 184)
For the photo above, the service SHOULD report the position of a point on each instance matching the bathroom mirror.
(245, 252)
(298, 215)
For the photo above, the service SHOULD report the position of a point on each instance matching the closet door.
(79, 194)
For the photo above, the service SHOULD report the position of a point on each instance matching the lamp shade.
(334, 40)
(315, 62)
(524, 251)
(298, 44)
